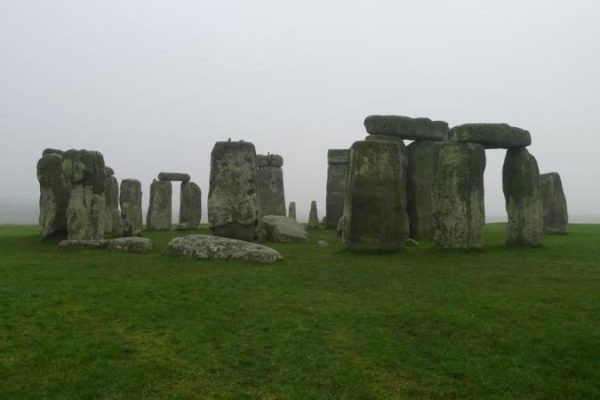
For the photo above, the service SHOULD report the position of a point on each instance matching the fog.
(153, 84)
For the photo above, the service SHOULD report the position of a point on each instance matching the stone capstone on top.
(173, 176)
(204, 247)
(269, 160)
(406, 127)
(491, 136)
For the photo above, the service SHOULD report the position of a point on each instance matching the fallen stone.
(491, 136)
(337, 175)
(203, 247)
(406, 127)
(277, 228)
(554, 204)
(75, 244)
(190, 205)
(313, 216)
(130, 200)
(159, 211)
(411, 243)
(459, 216)
(130, 244)
(521, 186)
(173, 176)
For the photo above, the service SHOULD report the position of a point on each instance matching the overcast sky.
(153, 84)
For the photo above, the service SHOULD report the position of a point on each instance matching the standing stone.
(420, 189)
(521, 186)
(337, 175)
(190, 206)
(159, 211)
(292, 210)
(270, 194)
(459, 216)
(54, 194)
(232, 208)
(375, 215)
(313, 215)
(130, 200)
(86, 172)
(554, 202)
(112, 220)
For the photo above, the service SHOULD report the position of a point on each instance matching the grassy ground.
(500, 323)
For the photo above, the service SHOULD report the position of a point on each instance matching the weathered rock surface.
(406, 127)
(54, 194)
(130, 200)
(85, 167)
(159, 211)
(270, 193)
(75, 244)
(112, 220)
(109, 171)
(554, 204)
(313, 215)
(190, 205)
(337, 176)
(521, 186)
(203, 247)
(459, 216)
(52, 151)
(292, 210)
(491, 136)
(420, 189)
(277, 228)
(131, 244)
(375, 215)
(232, 208)
(173, 176)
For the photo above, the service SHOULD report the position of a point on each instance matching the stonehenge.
(337, 173)
(159, 212)
(292, 210)
(313, 215)
(375, 215)
(270, 194)
(130, 200)
(159, 216)
(521, 186)
(554, 204)
(232, 208)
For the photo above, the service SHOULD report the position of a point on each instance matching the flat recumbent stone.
(491, 136)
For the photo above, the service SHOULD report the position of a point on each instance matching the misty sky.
(153, 84)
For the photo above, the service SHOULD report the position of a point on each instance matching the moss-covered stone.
(420, 189)
(375, 215)
(459, 210)
(160, 209)
(337, 176)
(55, 191)
(491, 136)
(130, 200)
(270, 192)
(190, 205)
(406, 127)
(521, 186)
(112, 220)
(85, 167)
(554, 204)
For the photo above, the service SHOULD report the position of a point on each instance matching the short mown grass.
(500, 323)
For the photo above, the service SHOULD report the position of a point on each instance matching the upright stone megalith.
(130, 199)
(190, 206)
(521, 186)
(337, 174)
(292, 210)
(55, 191)
(420, 189)
(554, 204)
(232, 209)
(459, 216)
(112, 220)
(270, 194)
(160, 212)
(86, 211)
(375, 215)
(313, 215)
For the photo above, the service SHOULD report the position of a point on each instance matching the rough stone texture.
(459, 216)
(339, 230)
(337, 176)
(54, 195)
(190, 206)
(270, 194)
(277, 228)
(491, 136)
(173, 176)
(406, 127)
(232, 209)
(112, 220)
(521, 186)
(554, 204)
(74, 244)
(86, 210)
(203, 247)
(292, 210)
(159, 211)
(375, 215)
(109, 171)
(313, 215)
(420, 189)
(52, 151)
(131, 244)
(130, 200)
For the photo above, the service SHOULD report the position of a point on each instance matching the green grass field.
(322, 324)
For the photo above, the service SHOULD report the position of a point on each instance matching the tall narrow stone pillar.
(554, 204)
(337, 176)
(160, 212)
(112, 220)
(190, 206)
(420, 189)
(130, 200)
(313, 215)
(292, 210)
(55, 191)
(270, 194)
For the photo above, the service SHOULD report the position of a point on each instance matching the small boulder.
(204, 247)
(277, 228)
(82, 244)
(131, 244)
(323, 243)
